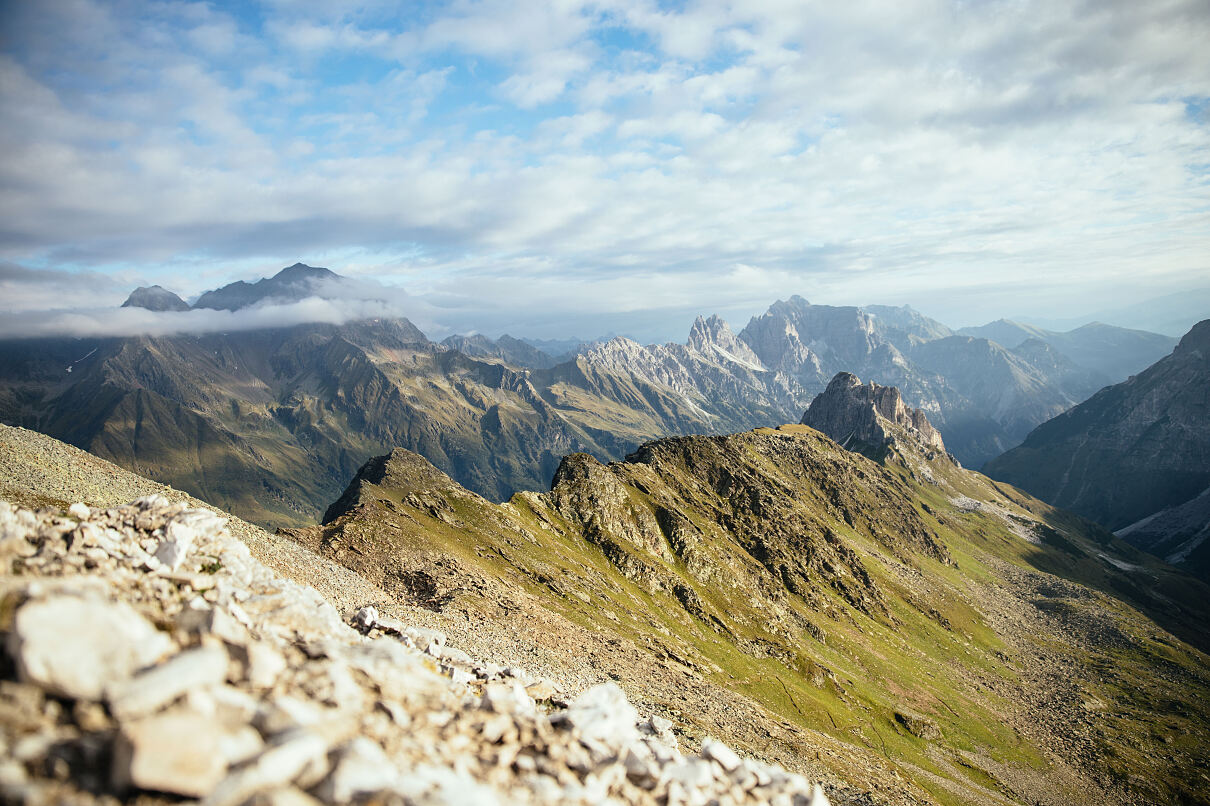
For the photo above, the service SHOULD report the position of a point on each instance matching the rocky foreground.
(149, 657)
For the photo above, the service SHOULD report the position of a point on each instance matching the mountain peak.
(714, 338)
(291, 284)
(1198, 337)
(301, 271)
(155, 298)
(869, 418)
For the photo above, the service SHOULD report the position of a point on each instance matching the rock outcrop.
(869, 418)
(218, 680)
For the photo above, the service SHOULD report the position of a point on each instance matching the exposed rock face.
(868, 418)
(155, 298)
(1131, 450)
(339, 717)
(271, 424)
(714, 335)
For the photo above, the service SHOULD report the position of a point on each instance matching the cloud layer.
(503, 160)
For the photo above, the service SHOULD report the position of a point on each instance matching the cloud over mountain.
(954, 150)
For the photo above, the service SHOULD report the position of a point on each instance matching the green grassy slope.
(986, 646)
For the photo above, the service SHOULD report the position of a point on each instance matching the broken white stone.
(265, 665)
(178, 752)
(818, 798)
(507, 698)
(240, 744)
(365, 618)
(175, 547)
(154, 688)
(78, 647)
(200, 618)
(361, 768)
(276, 767)
(603, 713)
(79, 511)
(425, 639)
(717, 751)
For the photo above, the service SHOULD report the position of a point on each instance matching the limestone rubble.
(150, 657)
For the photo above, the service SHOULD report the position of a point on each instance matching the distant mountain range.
(271, 423)
(1135, 456)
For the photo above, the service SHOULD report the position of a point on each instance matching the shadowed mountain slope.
(1131, 450)
(1112, 352)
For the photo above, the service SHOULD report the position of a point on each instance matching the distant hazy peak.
(868, 418)
(1197, 339)
(301, 271)
(155, 298)
(291, 284)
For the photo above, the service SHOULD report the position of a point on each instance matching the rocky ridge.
(870, 418)
(152, 654)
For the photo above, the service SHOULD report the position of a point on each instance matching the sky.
(574, 168)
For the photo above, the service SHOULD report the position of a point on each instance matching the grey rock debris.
(204, 675)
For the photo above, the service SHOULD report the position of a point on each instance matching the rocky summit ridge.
(153, 659)
(870, 418)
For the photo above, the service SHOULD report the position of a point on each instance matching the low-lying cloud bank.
(102, 322)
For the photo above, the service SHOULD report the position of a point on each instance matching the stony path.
(151, 657)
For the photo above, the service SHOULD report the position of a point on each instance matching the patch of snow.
(737, 360)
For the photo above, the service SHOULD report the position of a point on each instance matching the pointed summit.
(713, 337)
(291, 284)
(869, 418)
(155, 298)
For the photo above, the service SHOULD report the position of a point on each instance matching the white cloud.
(863, 147)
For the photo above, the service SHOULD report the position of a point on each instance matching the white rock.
(818, 798)
(721, 753)
(603, 713)
(154, 688)
(507, 698)
(177, 752)
(361, 768)
(204, 619)
(79, 511)
(175, 547)
(78, 647)
(425, 639)
(265, 665)
(365, 618)
(276, 767)
(238, 745)
(691, 773)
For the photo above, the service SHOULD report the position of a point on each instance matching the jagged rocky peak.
(713, 337)
(868, 418)
(155, 298)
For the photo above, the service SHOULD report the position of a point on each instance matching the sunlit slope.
(985, 646)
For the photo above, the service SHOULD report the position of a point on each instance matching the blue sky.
(578, 167)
